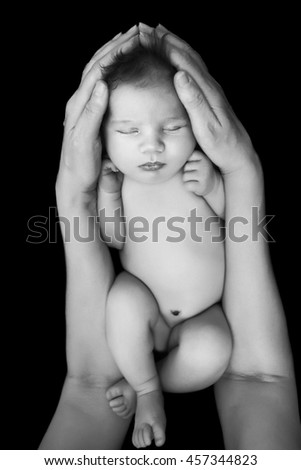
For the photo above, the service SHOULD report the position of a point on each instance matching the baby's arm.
(110, 209)
(202, 178)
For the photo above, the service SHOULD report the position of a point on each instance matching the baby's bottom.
(199, 348)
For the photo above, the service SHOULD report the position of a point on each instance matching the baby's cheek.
(188, 146)
(114, 151)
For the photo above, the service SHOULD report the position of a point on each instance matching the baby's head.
(146, 129)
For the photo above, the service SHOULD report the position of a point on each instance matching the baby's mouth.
(152, 166)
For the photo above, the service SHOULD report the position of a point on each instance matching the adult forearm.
(257, 414)
(251, 299)
(90, 275)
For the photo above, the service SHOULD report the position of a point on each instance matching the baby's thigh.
(131, 304)
(204, 337)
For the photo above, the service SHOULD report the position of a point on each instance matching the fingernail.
(132, 29)
(117, 36)
(160, 26)
(182, 78)
(145, 27)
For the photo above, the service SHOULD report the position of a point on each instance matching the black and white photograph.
(158, 298)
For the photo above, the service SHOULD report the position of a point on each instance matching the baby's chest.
(173, 216)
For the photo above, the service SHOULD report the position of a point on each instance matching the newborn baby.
(160, 202)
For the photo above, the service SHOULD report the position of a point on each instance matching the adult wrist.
(72, 200)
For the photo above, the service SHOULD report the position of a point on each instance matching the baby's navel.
(175, 312)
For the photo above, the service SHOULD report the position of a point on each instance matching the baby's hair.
(142, 66)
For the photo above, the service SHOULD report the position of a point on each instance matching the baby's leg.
(200, 350)
(131, 316)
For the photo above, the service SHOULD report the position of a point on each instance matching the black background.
(252, 54)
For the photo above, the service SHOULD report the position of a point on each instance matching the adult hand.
(217, 130)
(81, 150)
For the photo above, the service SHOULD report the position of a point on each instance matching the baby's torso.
(173, 245)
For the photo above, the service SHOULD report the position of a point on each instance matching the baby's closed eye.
(133, 131)
(174, 128)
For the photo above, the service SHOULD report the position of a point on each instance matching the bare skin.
(238, 168)
(144, 125)
(256, 399)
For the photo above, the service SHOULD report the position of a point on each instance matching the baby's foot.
(150, 421)
(122, 399)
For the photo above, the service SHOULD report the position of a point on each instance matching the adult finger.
(205, 123)
(118, 42)
(89, 122)
(79, 99)
(106, 59)
(179, 43)
(183, 57)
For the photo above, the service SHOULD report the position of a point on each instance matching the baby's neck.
(151, 187)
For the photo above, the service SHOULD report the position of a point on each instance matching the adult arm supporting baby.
(257, 398)
(83, 419)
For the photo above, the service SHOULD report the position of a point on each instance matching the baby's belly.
(186, 277)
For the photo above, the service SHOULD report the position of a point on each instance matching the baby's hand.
(201, 177)
(110, 180)
(199, 174)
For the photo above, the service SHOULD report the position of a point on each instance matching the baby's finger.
(191, 175)
(191, 186)
(196, 156)
(191, 166)
(108, 167)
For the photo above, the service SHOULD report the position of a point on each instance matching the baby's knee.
(209, 341)
(129, 296)
(219, 342)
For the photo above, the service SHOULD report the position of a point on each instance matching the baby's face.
(147, 133)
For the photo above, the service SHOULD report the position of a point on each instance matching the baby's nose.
(152, 145)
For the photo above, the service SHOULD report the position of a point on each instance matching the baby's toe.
(147, 435)
(142, 436)
(159, 435)
(113, 392)
(116, 402)
(125, 414)
(119, 409)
